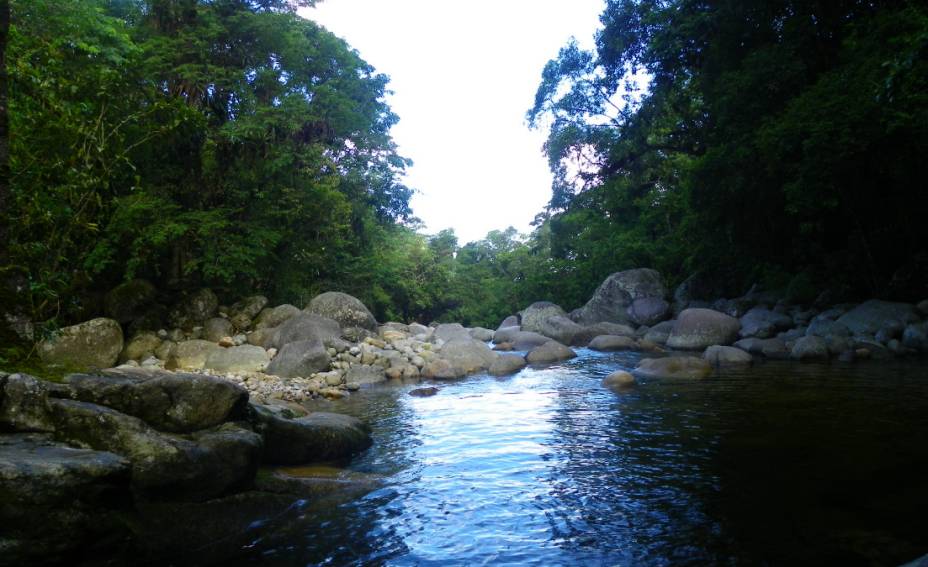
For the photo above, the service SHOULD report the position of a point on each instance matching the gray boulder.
(449, 332)
(764, 323)
(24, 404)
(92, 344)
(307, 327)
(561, 329)
(243, 312)
(244, 358)
(608, 343)
(648, 311)
(300, 358)
(194, 309)
(140, 347)
(216, 328)
(526, 340)
(535, 315)
(191, 355)
(511, 321)
(810, 348)
(551, 351)
(590, 332)
(362, 374)
(916, 336)
(874, 315)
(506, 334)
(417, 329)
(674, 367)
(611, 300)
(481, 334)
(697, 329)
(506, 364)
(468, 356)
(129, 300)
(658, 334)
(347, 310)
(272, 317)
(167, 401)
(719, 356)
(56, 499)
(826, 328)
(441, 369)
(318, 437)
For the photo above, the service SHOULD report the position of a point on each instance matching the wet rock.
(551, 351)
(608, 343)
(507, 364)
(317, 437)
(168, 401)
(674, 367)
(718, 356)
(300, 358)
(697, 329)
(423, 392)
(619, 380)
(346, 310)
(92, 344)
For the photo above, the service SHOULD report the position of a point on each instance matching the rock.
(810, 348)
(590, 332)
(613, 343)
(619, 380)
(346, 310)
(870, 317)
(191, 355)
(674, 367)
(449, 332)
(507, 364)
(922, 307)
(468, 355)
(564, 331)
(838, 345)
(243, 312)
(659, 333)
(140, 347)
(238, 359)
(300, 358)
(307, 327)
(167, 401)
(736, 308)
(415, 329)
(198, 467)
(194, 309)
(423, 392)
(511, 321)
(718, 355)
(365, 374)
(57, 501)
(551, 351)
(502, 347)
(216, 328)
(611, 300)
(696, 329)
(506, 334)
(481, 334)
(774, 348)
(916, 336)
(763, 323)
(274, 316)
(826, 328)
(229, 342)
(129, 300)
(441, 369)
(535, 316)
(648, 311)
(24, 404)
(92, 344)
(166, 350)
(317, 437)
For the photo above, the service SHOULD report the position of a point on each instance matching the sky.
(463, 75)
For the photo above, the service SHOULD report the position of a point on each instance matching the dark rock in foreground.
(317, 437)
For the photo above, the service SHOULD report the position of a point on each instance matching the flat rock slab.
(167, 401)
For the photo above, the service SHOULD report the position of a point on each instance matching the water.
(781, 464)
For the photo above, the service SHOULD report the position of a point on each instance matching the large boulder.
(696, 329)
(718, 356)
(820, 327)
(317, 437)
(561, 329)
(551, 351)
(521, 340)
(611, 300)
(243, 312)
(194, 309)
(764, 323)
(674, 367)
(648, 311)
(511, 321)
(619, 380)
(199, 466)
(441, 369)
(129, 300)
(271, 317)
(658, 334)
(191, 355)
(506, 364)
(449, 332)
(24, 404)
(167, 401)
(916, 336)
(535, 315)
(481, 334)
(810, 348)
(216, 328)
(348, 311)
(590, 332)
(506, 334)
(363, 374)
(92, 344)
(141, 346)
(300, 358)
(55, 500)
(875, 315)
(468, 356)
(608, 343)
(244, 358)
(307, 327)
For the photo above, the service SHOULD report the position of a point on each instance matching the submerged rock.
(619, 380)
(423, 392)
(608, 343)
(727, 356)
(674, 367)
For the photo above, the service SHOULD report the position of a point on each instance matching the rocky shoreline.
(190, 412)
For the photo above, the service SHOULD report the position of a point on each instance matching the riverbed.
(779, 464)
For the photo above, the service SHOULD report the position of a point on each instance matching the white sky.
(463, 75)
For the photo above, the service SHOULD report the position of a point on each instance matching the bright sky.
(463, 75)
